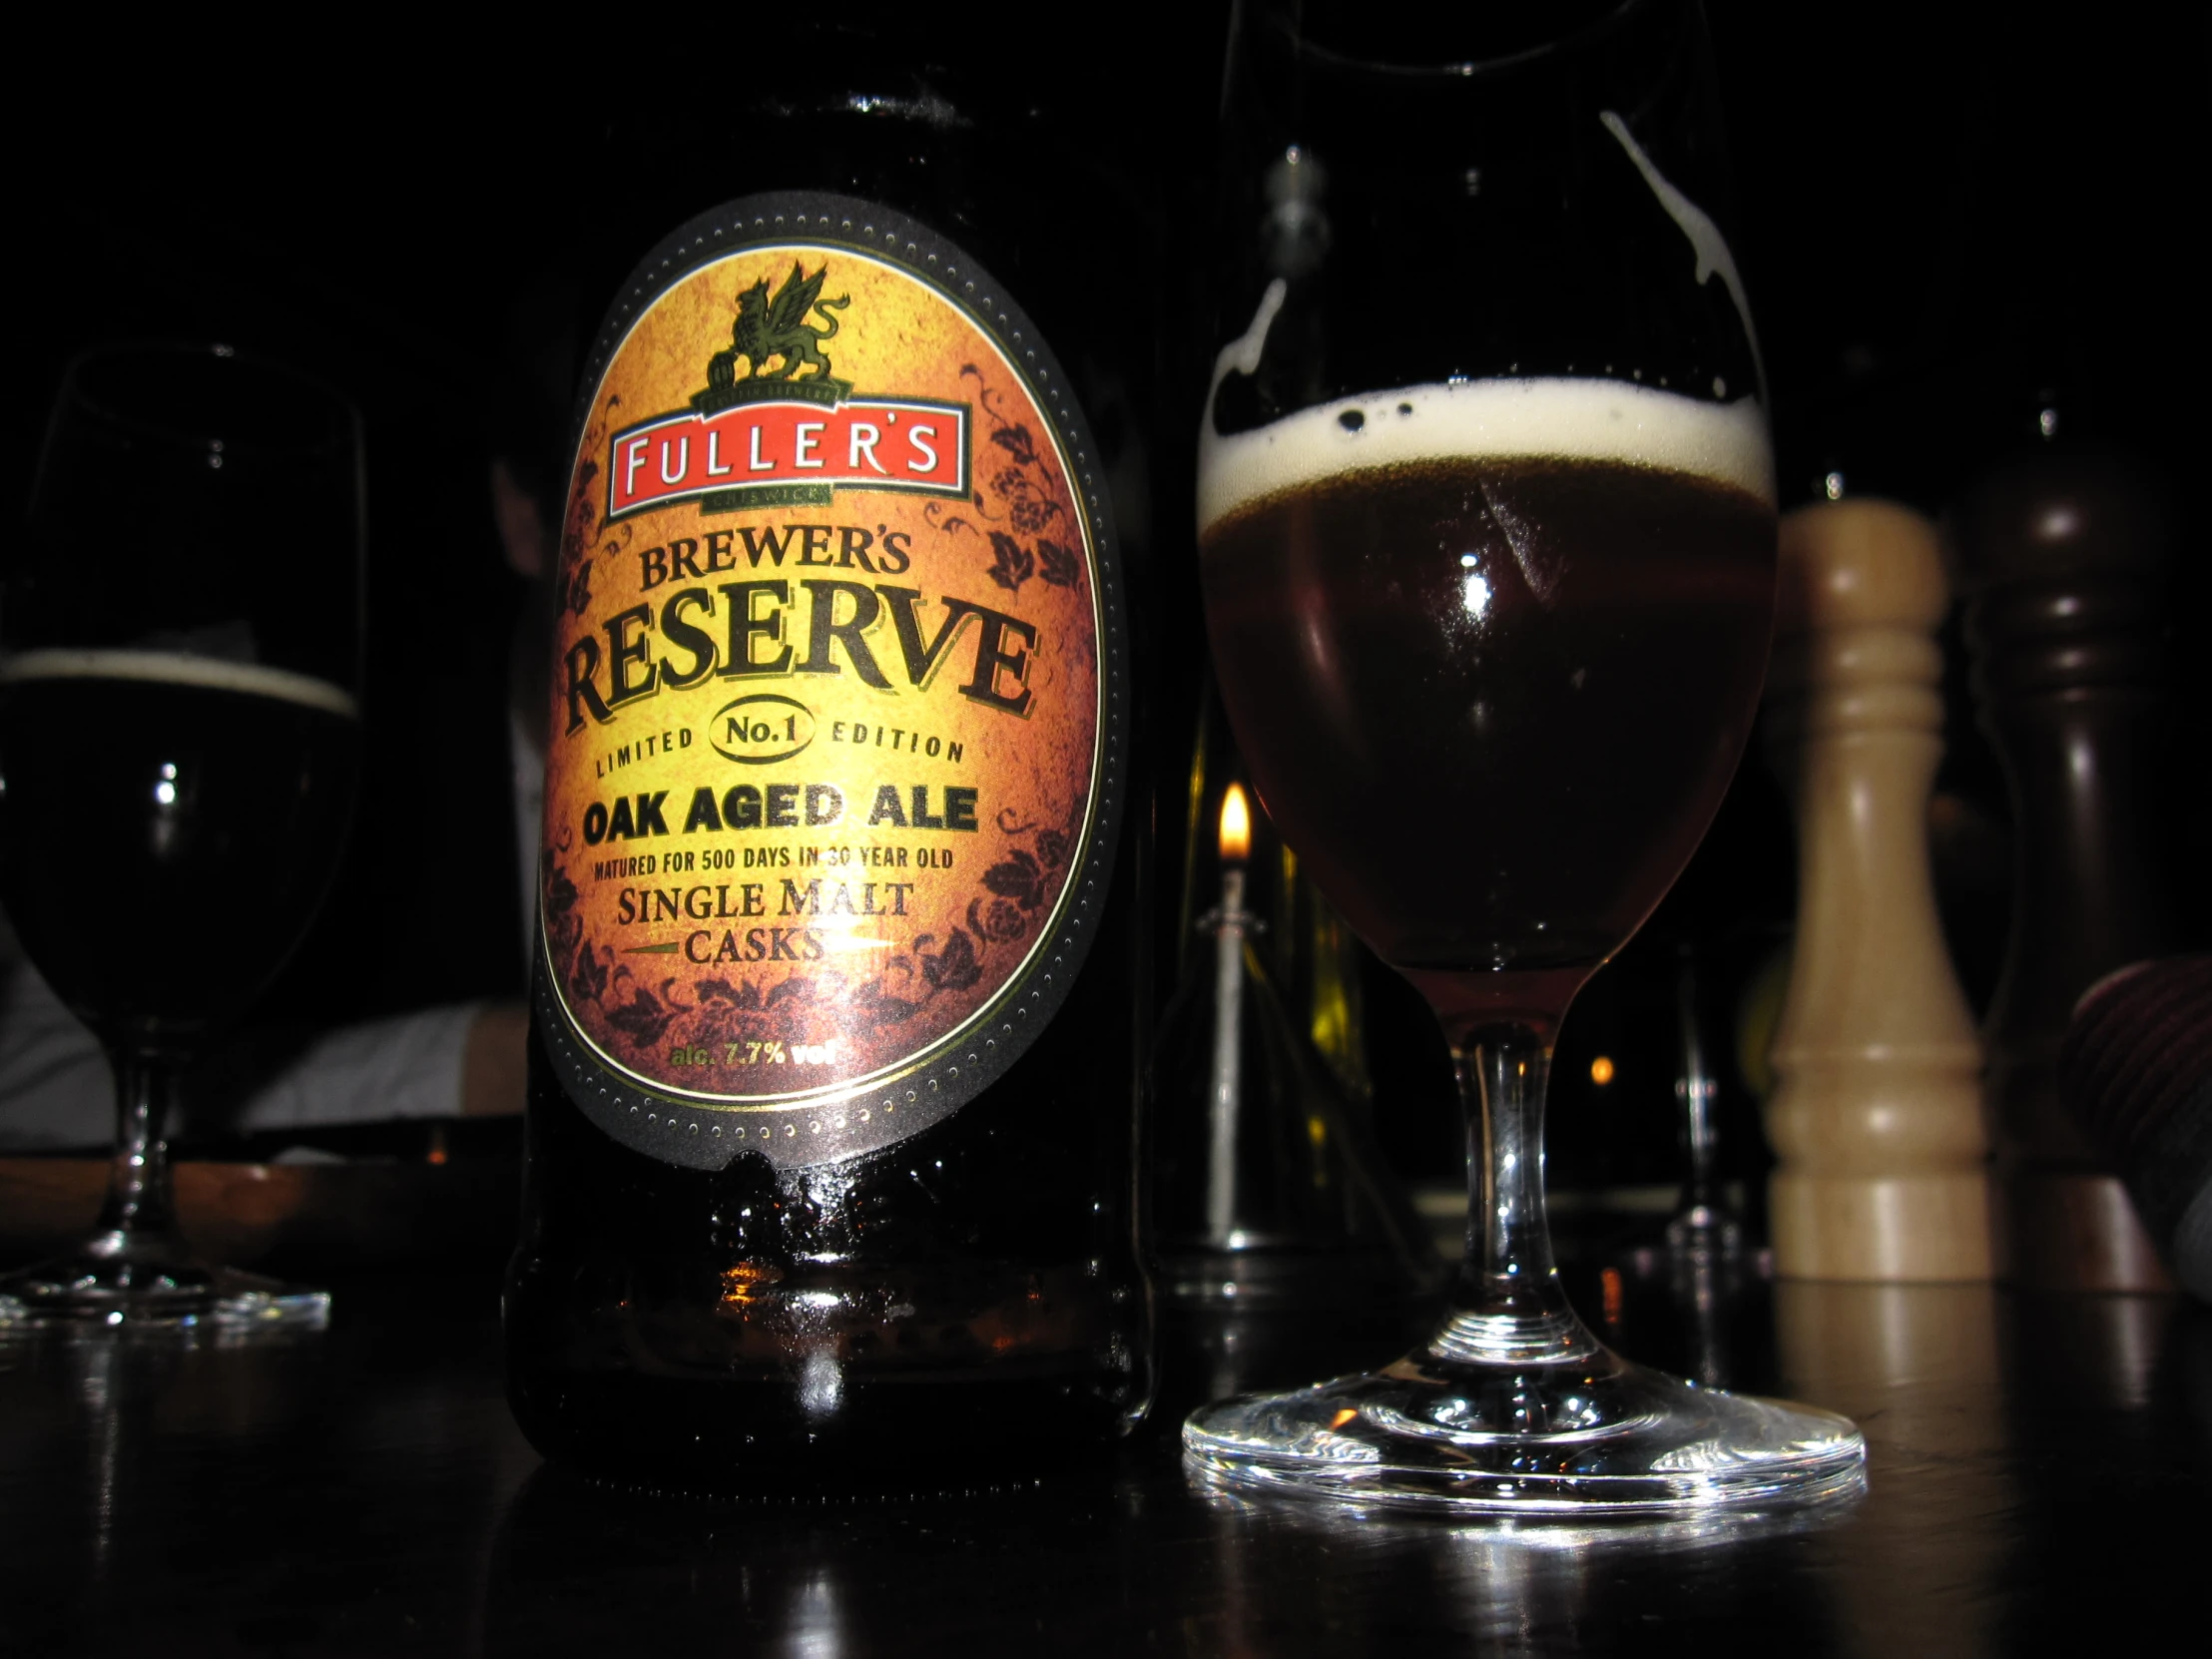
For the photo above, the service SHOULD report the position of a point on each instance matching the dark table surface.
(2038, 1483)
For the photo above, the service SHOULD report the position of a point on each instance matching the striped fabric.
(2136, 1070)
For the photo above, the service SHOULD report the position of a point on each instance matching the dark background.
(1945, 215)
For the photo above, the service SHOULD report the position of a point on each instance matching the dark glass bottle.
(840, 1300)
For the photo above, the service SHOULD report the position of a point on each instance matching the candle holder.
(1704, 1232)
(1267, 1191)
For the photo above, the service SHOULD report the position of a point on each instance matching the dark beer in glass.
(180, 738)
(1487, 523)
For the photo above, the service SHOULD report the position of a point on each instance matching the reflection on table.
(2037, 1464)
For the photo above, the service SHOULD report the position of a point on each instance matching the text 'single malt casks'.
(841, 983)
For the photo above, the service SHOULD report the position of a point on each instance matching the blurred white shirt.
(57, 1090)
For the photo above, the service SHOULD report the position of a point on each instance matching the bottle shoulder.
(1062, 224)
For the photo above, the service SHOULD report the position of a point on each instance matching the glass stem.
(140, 1204)
(1508, 1307)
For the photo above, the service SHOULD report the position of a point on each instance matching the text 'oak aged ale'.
(838, 1010)
(1463, 599)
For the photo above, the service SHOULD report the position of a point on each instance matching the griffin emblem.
(776, 329)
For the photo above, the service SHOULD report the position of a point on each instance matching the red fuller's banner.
(862, 443)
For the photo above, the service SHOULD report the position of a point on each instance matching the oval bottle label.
(838, 700)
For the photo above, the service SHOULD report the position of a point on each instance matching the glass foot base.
(1593, 1434)
(122, 1281)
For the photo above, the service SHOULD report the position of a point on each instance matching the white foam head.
(175, 668)
(1569, 419)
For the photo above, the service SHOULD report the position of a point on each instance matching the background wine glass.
(1488, 548)
(180, 670)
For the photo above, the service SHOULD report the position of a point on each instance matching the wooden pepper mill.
(2061, 557)
(1876, 1117)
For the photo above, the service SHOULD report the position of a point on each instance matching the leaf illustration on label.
(563, 926)
(1018, 878)
(643, 1018)
(789, 991)
(1029, 510)
(1053, 847)
(956, 967)
(560, 892)
(582, 522)
(745, 995)
(1013, 562)
(589, 978)
(1016, 441)
(1059, 566)
(578, 591)
(932, 515)
(876, 1007)
(1002, 924)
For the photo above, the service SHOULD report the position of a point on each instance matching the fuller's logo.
(777, 330)
(788, 431)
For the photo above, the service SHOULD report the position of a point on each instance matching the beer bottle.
(842, 970)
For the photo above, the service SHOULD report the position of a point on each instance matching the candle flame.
(1236, 823)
